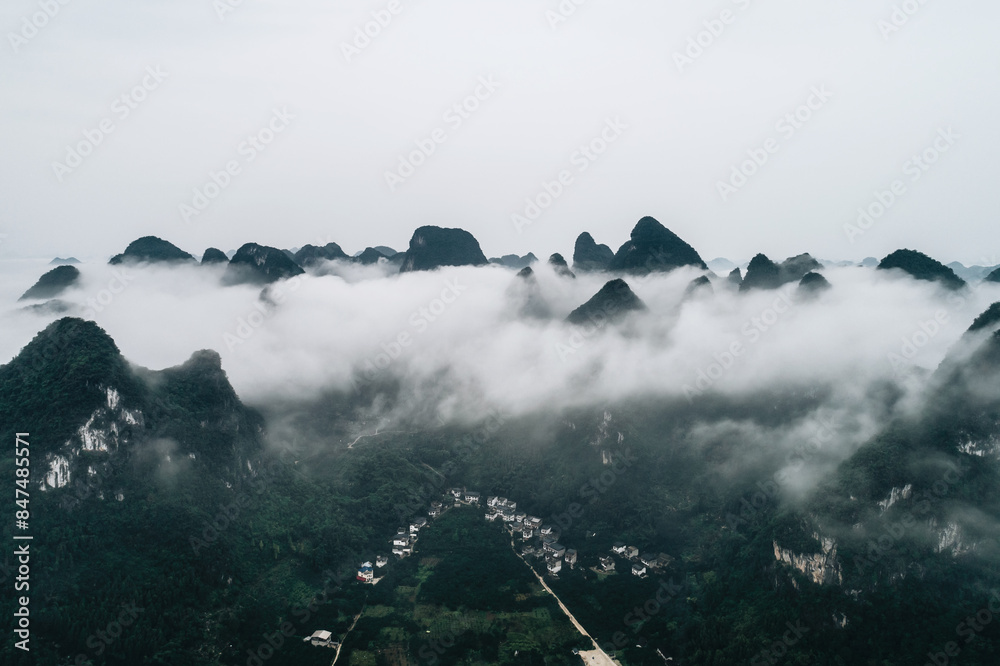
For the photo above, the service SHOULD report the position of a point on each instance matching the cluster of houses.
(530, 528)
(402, 546)
(405, 541)
(540, 540)
(642, 564)
(406, 538)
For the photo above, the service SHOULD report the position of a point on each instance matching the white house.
(321, 639)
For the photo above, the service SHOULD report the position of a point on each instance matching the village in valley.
(531, 538)
(538, 539)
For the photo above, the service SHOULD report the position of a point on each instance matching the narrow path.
(373, 434)
(349, 630)
(595, 657)
(433, 470)
(360, 437)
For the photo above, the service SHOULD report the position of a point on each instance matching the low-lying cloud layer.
(777, 385)
(462, 326)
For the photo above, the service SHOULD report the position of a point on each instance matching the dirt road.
(595, 657)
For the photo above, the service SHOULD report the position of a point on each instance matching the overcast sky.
(680, 127)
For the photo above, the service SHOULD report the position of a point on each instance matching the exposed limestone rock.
(895, 495)
(821, 568)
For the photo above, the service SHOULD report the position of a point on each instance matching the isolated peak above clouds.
(433, 247)
(922, 267)
(653, 247)
(150, 249)
(53, 283)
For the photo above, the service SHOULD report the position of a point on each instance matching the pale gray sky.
(678, 132)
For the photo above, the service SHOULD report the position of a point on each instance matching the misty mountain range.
(652, 248)
(808, 444)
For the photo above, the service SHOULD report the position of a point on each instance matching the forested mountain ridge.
(175, 498)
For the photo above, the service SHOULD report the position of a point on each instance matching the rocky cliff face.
(823, 568)
(951, 539)
(895, 495)
(109, 428)
(91, 411)
(981, 448)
